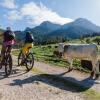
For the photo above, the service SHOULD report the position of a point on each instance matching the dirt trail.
(74, 76)
(33, 86)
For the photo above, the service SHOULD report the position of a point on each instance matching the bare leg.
(23, 54)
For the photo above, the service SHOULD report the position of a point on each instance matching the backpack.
(29, 38)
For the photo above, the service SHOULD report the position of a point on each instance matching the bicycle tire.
(8, 65)
(29, 61)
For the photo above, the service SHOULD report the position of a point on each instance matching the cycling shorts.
(26, 48)
(8, 43)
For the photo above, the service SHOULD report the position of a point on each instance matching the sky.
(20, 14)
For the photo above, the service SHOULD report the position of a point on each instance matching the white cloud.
(36, 14)
(14, 15)
(9, 4)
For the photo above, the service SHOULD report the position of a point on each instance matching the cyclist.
(29, 39)
(8, 41)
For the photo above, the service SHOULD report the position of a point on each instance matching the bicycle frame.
(7, 61)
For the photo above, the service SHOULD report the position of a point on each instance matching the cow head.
(60, 55)
(60, 49)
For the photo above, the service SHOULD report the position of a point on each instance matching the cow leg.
(95, 69)
(92, 74)
(71, 65)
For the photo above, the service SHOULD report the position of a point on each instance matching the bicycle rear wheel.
(29, 61)
(8, 65)
(20, 57)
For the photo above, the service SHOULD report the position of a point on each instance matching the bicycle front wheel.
(8, 65)
(29, 61)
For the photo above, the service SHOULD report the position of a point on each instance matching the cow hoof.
(96, 76)
(92, 74)
(91, 77)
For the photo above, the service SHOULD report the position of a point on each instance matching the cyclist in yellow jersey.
(29, 39)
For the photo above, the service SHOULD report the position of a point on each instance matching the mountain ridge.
(48, 31)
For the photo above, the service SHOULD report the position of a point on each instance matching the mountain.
(44, 28)
(82, 22)
(48, 31)
(76, 29)
(49, 25)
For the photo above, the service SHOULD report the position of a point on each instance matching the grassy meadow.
(44, 53)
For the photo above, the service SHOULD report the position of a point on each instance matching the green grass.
(91, 95)
(45, 54)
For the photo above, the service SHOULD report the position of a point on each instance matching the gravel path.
(74, 76)
(33, 86)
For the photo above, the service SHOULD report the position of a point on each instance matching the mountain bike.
(7, 62)
(26, 60)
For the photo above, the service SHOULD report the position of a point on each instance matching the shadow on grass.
(68, 84)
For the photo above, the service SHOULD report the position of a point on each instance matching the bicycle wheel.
(8, 65)
(20, 56)
(29, 61)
